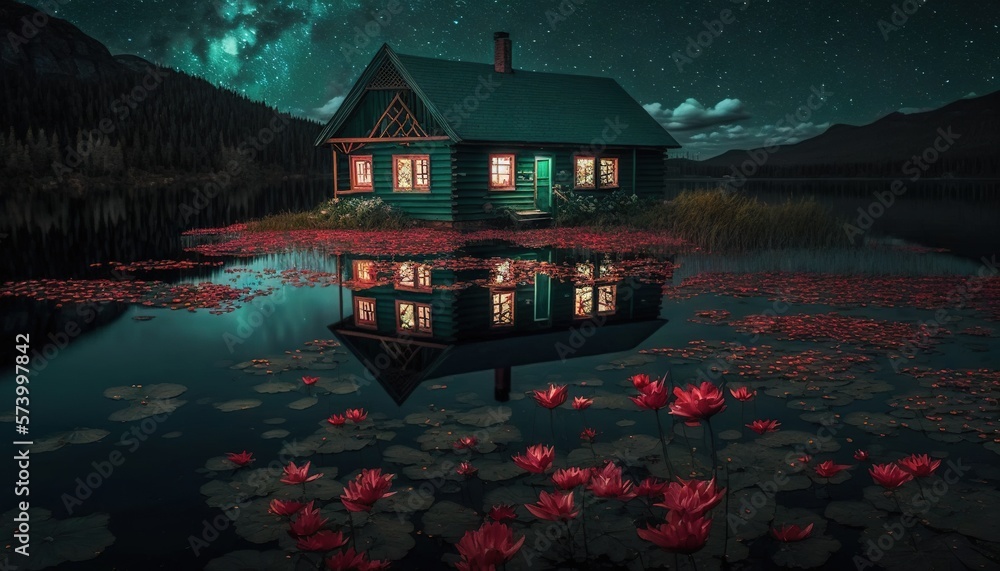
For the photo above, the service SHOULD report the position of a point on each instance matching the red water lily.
(554, 506)
(692, 497)
(299, 474)
(582, 403)
(536, 459)
(350, 560)
(742, 394)
(588, 434)
(241, 459)
(640, 381)
(551, 397)
(861, 455)
(683, 534)
(307, 522)
(466, 469)
(502, 513)
(490, 545)
(310, 380)
(356, 415)
(889, 476)
(367, 488)
(763, 426)
(284, 507)
(569, 478)
(465, 442)
(697, 403)
(323, 540)
(652, 487)
(829, 469)
(793, 532)
(337, 419)
(653, 396)
(920, 466)
(607, 482)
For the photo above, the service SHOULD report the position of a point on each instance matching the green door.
(543, 184)
(543, 297)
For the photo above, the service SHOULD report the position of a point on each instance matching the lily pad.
(303, 403)
(139, 410)
(238, 404)
(450, 520)
(274, 387)
(252, 560)
(72, 539)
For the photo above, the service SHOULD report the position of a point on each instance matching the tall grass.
(729, 222)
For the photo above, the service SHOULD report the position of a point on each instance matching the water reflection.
(412, 321)
(60, 235)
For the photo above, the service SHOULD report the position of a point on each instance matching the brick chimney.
(502, 53)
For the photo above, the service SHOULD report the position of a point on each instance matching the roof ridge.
(490, 65)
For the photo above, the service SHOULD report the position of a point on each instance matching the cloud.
(327, 110)
(691, 114)
(721, 138)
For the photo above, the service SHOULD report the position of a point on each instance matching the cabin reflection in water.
(408, 322)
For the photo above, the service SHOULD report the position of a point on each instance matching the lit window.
(413, 318)
(502, 172)
(585, 172)
(412, 172)
(364, 312)
(609, 173)
(414, 276)
(606, 269)
(503, 308)
(606, 298)
(503, 272)
(583, 301)
(364, 271)
(585, 271)
(361, 172)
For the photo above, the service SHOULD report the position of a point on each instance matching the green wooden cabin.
(459, 142)
(419, 325)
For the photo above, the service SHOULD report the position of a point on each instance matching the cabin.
(460, 143)
(410, 321)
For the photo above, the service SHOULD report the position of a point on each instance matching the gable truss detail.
(397, 121)
(387, 77)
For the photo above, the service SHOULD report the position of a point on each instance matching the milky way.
(719, 74)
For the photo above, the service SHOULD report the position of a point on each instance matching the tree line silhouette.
(127, 125)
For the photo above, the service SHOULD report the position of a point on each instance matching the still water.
(155, 354)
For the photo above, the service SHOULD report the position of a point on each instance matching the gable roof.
(473, 103)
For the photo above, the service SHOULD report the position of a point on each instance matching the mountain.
(882, 148)
(73, 111)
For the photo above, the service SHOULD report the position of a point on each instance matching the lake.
(156, 350)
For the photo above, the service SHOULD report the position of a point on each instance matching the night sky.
(734, 94)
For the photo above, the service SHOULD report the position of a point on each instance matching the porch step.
(532, 218)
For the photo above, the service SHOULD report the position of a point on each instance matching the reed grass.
(718, 221)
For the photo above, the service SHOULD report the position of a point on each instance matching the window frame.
(513, 172)
(419, 270)
(358, 322)
(413, 170)
(493, 307)
(417, 330)
(356, 276)
(600, 174)
(362, 187)
(576, 172)
(614, 299)
(598, 183)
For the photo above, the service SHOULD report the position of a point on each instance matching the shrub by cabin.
(460, 142)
